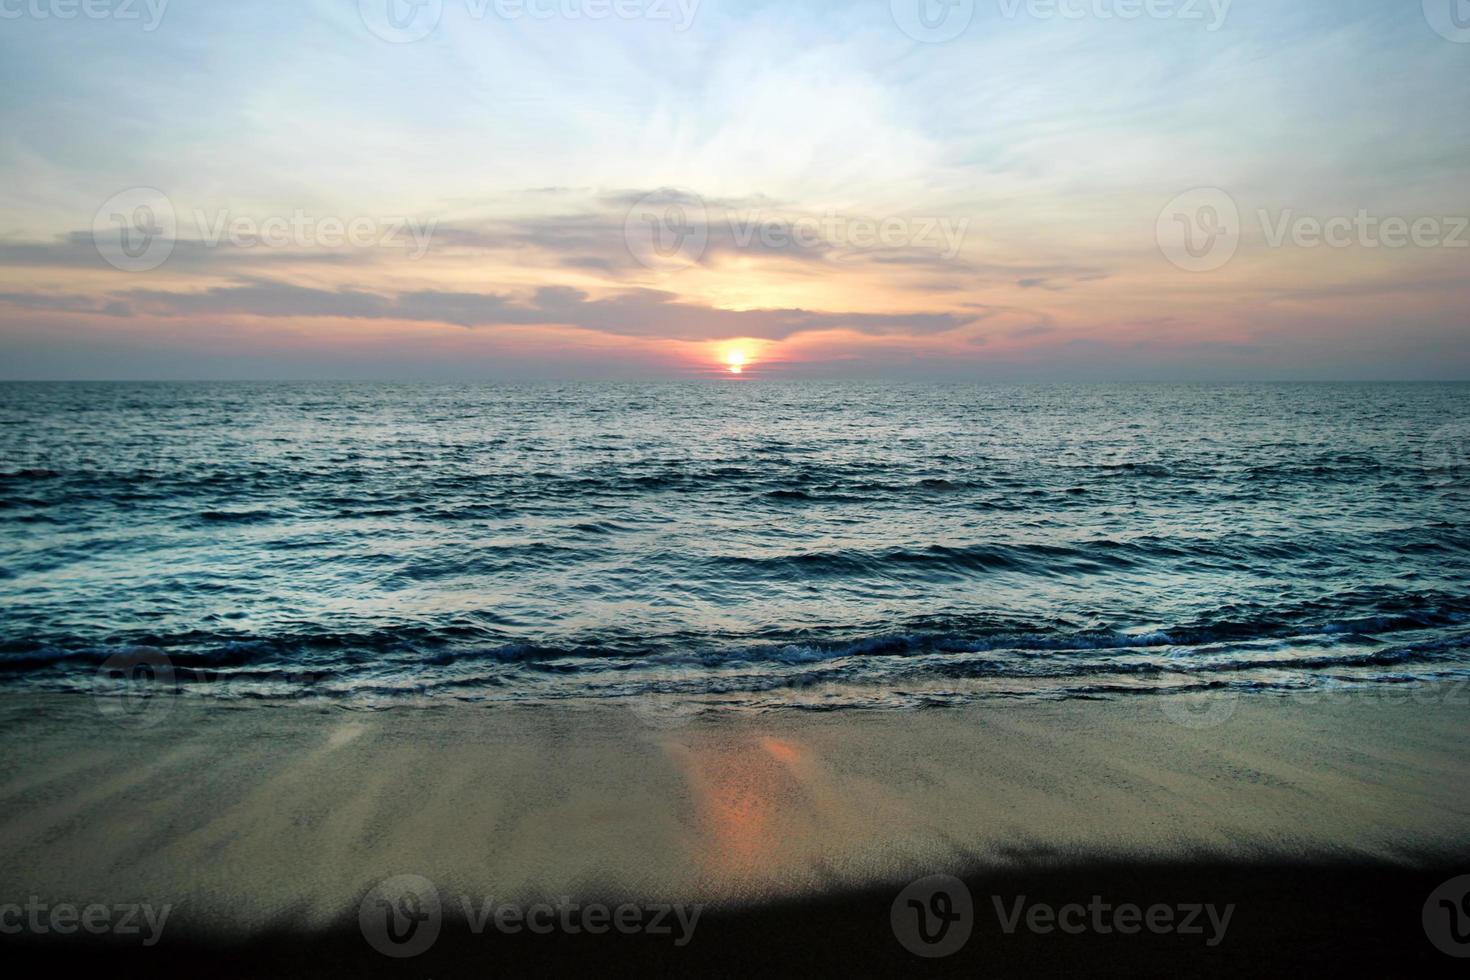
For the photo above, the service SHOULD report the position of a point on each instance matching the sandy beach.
(251, 820)
(640, 488)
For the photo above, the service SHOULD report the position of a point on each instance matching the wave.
(550, 540)
(236, 516)
(421, 662)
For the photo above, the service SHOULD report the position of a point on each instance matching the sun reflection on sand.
(744, 793)
(784, 751)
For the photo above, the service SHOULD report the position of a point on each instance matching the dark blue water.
(741, 543)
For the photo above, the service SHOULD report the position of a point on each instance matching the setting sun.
(733, 356)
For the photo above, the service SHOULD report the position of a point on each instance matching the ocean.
(733, 545)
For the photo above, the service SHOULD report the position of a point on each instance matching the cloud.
(634, 313)
(76, 250)
(605, 231)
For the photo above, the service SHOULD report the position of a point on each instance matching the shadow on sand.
(1365, 918)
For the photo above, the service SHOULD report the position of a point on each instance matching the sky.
(1037, 190)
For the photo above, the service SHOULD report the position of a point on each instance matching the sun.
(739, 356)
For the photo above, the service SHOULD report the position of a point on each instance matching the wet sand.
(264, 826)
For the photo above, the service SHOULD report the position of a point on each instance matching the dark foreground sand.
(1325, 823)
